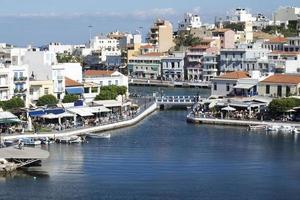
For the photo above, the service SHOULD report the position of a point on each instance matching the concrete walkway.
(100, 128)
(231, 122)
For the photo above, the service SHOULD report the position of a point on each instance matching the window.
(31, 91)
(279, 90)
(94, 90)
(86, 90)
(109, 82)
(116, 82)
(267, 89)
(46, 91)
(288, 91)
(215, 86)
(101, 83)
(227, 87)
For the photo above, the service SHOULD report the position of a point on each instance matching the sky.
(39, 22)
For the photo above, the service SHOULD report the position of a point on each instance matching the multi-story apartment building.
(275, 44)
(293, 44)
(227, 37)
(244, 58)
(19, 82)
(173, 67)
(145, 66)
(284, 62)
(4, 83)
(161, 35)
(210, 66)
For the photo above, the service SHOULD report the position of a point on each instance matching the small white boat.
(75, 139)
(100, 136)
(272, 128)
(70, 140)
(256, 127)
(30, 142)
(286, 129)
(296, 130)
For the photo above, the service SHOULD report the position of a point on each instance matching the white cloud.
(143, 14)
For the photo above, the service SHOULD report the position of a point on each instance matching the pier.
(201, 120)
(84, 130)
(160, 83)
(176, 101)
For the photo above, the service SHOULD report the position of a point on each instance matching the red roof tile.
(98, 73)
(234, 75)
(70, 82)
(277, 40)
(283, 79)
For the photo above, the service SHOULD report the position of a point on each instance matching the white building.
(19, 82)
(285, 14)
(241, 15)
(102, 47)
(4, 83)
(101, 78)
(189, 22)
(173, 67)
(130, 39)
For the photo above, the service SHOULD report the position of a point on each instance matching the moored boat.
(99, 136)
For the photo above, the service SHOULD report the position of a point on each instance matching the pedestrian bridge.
(177, 100)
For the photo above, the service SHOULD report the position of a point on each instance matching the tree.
(47, 100)
(69, 98)
(278, 106)
(111, 92)
(14, 103)
(186, 40)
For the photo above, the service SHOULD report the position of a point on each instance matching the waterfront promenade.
(85, 130)
(160, 83)
(231, 122)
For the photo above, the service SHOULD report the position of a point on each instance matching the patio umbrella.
(228, 109)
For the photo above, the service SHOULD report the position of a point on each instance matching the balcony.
(20, 79)
(19, 91)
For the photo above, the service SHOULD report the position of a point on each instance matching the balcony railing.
(20, 91)
(19, 79)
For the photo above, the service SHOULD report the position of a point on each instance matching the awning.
(83, 112)
(74, 90)
(99, 109)
(244, 86)
(8, 118)
(36, 113)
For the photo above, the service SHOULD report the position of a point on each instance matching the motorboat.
(70, 140)
(46, 140)
(30, 142)
(272, 128)
(256, 127)
(9, 143)
(99, 135)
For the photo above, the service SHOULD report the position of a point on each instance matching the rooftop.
(221, 30)
(153, 54)
(276, 40)
(234, 75)
(70, 82)
(98, 73)
(283, 78)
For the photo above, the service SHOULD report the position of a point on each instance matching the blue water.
(166, 158)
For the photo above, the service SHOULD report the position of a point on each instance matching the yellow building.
(161, 35)
(39, 88)
(280, 85)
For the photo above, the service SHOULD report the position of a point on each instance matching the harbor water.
(163, 157)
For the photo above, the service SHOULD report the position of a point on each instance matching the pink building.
(226, 37)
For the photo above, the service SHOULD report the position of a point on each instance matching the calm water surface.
(166, 158)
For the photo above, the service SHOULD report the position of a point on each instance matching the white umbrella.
(228, 108)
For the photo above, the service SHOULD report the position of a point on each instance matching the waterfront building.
(275, 44)
(72, 71)
(285, 14)
(173, 67)
(73, 87)
(161, 35)
(93, 80)
(58, 77)
(210, 66)
(284, 62)
(227, 37)
(280, 85)
(238, 83)
(145, 66)
(190, 21)
(39, 88)
(245, 58)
